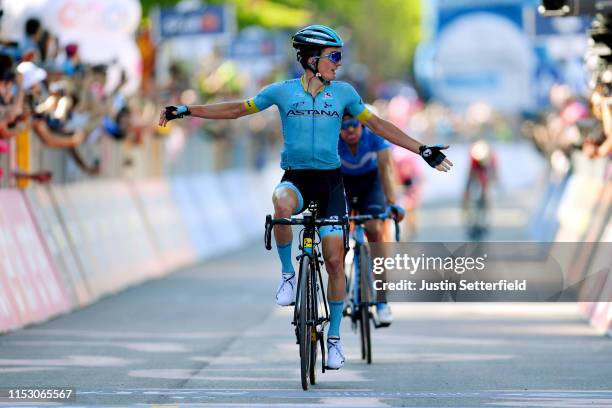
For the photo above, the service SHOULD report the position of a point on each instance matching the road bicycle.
(360, 281)
(476, 212)
(311, 312)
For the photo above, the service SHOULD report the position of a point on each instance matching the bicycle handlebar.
(268, 234)
(360, 219)
(307, 220)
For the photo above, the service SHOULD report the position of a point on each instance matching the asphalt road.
(211, 334)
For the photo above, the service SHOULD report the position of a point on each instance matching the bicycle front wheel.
(313, 328)
(303, 317)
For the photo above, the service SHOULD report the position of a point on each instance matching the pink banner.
(29, 279)
(163, 223)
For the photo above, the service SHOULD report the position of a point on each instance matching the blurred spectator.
(146, 45)
(176, 85)
(569, 126)
(72, 64)
(30, 49)
(49, 48)
(11, 96)
(410, 179)
(32, 74)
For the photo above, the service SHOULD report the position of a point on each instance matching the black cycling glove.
(432, 154)
(177, 112)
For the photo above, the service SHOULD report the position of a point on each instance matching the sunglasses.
(334, 56)
(349, 123)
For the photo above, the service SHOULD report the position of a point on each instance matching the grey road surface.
(212, 335)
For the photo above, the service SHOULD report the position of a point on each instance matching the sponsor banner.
(200, 21)
(75, 236)
(255, 43)
(269, 178)
(576, 208)
(272, 176)
(242, 203)
(561, 26)
(9, 295)
(600, 313)
(257, 51)
(487, 272)
(599, 320)
(260, 196)
(127, 241)
(165, 226)
(58, 242)
(193, 216)
(221, 214)
(27, 273)
(544, 222)
(601, 216)
(108, 234)
(469, 65)
(93, 236)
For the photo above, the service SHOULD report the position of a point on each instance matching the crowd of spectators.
(67, 105)
(571, 125)
(46, 88)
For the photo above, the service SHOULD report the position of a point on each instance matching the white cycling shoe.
(335, 354)
(285, 294)
(383, 314)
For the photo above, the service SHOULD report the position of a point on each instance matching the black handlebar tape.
(397, 231)
(268, 236)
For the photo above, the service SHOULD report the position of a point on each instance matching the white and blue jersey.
(364, 160)
(311, 124)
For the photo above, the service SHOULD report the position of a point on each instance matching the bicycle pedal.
(381, 325)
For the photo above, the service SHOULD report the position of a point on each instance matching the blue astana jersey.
(311, 125)
(364, 159)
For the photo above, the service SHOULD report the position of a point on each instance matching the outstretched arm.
(225, 110)
(386, 172)
(394, 135)
(54, 141)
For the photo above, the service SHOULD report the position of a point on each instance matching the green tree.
(265, 13)
(384, 33)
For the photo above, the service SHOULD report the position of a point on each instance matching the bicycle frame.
(358, 235)
(308, 318)
(309, 248)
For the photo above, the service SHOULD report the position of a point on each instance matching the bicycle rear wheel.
(303, 318)
(364, 307)
(313, 357)
(366, 342)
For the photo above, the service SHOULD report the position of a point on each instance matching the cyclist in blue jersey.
(311, 110)
(368, 176)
